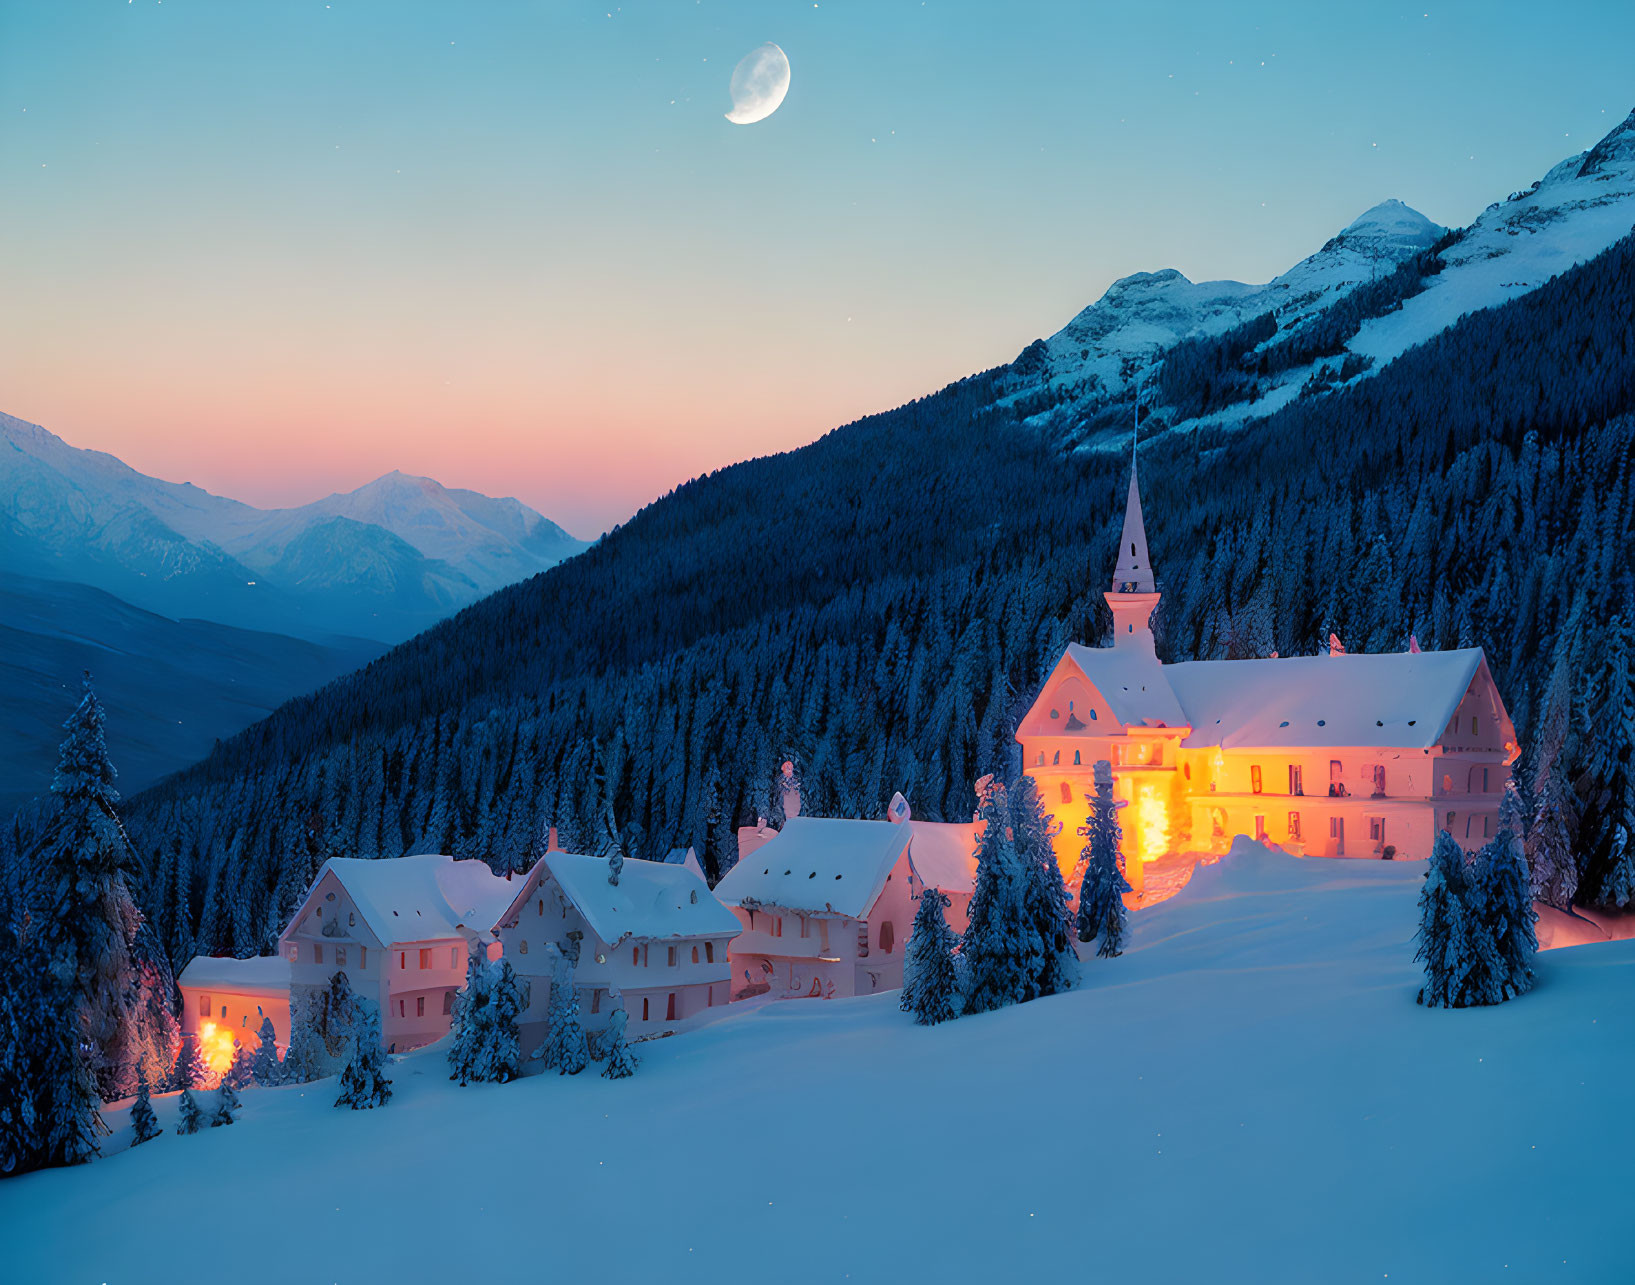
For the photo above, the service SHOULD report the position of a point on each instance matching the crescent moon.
(759, 83)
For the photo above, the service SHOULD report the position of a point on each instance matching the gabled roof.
(943, 854)
(653, 900)
(1133, 682)
(264, 974)
(818, 864)
(1395, 699)
(419, 898)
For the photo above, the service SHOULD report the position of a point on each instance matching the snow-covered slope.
(381, 562)
(1576, 211)
(1250, 1094)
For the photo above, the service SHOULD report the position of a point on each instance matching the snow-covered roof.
(1132, 682)
(819, 864)
(1397, 699)
(653, 900)
(943, 854)
(423, 897)
(265, 974)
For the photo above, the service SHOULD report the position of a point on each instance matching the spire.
(1134, 572)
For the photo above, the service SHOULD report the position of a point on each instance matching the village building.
(827, 904)
(401, 931)
(225, 1000)
(1335, 755)
(657, 936)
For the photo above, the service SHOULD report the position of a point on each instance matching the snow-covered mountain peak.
(1614, 152)
(1395, 219)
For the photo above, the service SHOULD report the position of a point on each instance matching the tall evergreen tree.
(470, 1027)
(565, 1047)
(1442, 930)
(1102, 915)
(500, 1056)
(1052, 916)
(241, 1072)
(305, 1060)
(265, 1068)
(930, 981)
(144, 1124)
(1606, 783)
(88, 921)
(1002, 947)
(621, 1060)
(364, 1085)
(48, 1101)
(1504, 905)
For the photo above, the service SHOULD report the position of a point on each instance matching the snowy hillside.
(1390, 280)
(1250, 1093)
(380, 562)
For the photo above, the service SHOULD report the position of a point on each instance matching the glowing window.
(644, 1008)
(1254, 782)
(1260, 828)
(635, 955)
(425, 957)
(695, 954)
(317, 953)
(1067, 792)
(1294, 825)
(419, 1005)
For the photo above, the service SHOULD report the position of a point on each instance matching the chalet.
(657, 935)
(826, 905)
(399, 930)
(225, 1000)
(1335, 755)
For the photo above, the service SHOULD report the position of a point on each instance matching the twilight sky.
(278, 249)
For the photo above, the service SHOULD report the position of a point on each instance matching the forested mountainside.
(880, 605)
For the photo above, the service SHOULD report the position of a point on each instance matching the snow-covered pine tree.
(1504, 905)
(336, 1011)
(564, 1047)
(264, 1069)
(88, 921)
(930, 982)
(1034, 831)
(1002, 947)
(1617, 890)
(364, 1085)
(305, 1059)
(1102, 915)
(48, 1101)
(189, 1119)
(241, 1073)
(144, 1124)
(1444, 930)
(621, 1060)
(473, 1014)
(189, 1071)
(500, 1057)
(227, 1105)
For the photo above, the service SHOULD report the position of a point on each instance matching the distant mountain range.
(381, 562)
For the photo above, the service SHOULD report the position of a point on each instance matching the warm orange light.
(1151, 820)
(216, 1047)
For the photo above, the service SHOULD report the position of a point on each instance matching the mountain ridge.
(406, 550)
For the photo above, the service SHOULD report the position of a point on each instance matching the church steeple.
(1135, 591)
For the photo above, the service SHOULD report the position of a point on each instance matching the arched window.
(1056, 760)
(644, 1007)
(888, 937)
(1076, 762)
